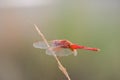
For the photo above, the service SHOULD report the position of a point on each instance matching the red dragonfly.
(61, 47)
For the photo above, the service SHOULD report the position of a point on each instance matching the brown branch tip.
(61, 67)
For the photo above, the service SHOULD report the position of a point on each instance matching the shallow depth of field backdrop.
(94, 23)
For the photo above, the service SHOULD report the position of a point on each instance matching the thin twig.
(61, 67)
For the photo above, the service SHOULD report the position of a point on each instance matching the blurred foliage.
(94, 24)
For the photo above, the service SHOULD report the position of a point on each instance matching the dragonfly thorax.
(62, 43)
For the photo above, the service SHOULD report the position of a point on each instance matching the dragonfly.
(61, 47)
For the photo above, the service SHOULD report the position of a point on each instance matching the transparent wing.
(60, 51)
(41, 44)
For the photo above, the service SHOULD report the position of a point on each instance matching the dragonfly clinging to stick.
(61, 47)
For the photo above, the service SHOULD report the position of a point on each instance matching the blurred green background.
(94, 23)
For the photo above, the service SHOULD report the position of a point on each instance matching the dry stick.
(59, 63)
